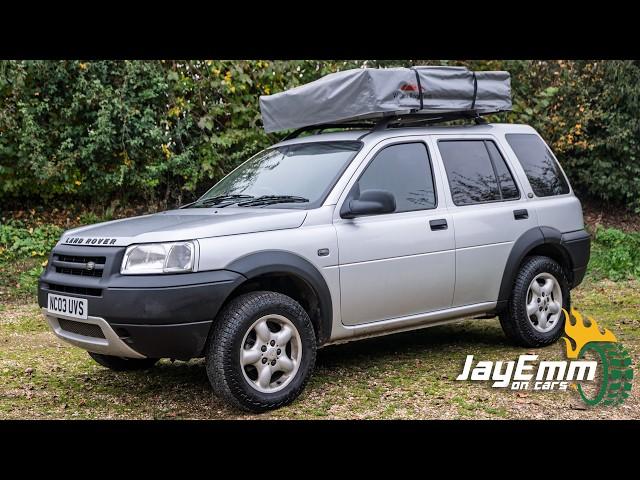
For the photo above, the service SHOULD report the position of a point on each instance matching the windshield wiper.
(219, 199)
(271, 199)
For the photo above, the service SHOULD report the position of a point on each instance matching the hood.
(184, 224)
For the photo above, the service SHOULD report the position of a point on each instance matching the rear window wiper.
(271, 199)
(219, 199)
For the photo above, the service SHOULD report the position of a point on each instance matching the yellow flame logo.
(582, 333)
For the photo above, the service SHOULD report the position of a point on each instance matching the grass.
(407, 375)
(615, 254)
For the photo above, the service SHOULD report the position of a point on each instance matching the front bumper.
(155, 316)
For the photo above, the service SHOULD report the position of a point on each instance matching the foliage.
(22, 255)
(28, 281)
(18, 241)
(163, 131)
(143, 129)
(589, 112)
(615, 254)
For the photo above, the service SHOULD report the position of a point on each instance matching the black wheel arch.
(279, 263)
(545, 241)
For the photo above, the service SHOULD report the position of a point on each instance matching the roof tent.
(372, 93)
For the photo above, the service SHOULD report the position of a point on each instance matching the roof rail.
(413, 119)
(325, 126)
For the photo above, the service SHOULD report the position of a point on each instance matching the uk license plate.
(69, 306)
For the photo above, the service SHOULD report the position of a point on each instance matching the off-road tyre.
(513, 319)
(223, 350)
(120, 364)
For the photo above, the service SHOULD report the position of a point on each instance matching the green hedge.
(18, 241)
(163, 131)
(590, 114)
(615, 254)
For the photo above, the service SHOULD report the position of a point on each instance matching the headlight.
(153, 258)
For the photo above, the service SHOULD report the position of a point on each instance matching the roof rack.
(414, 119)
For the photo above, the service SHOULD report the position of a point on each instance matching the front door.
(402, 263)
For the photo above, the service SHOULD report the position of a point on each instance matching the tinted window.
(542, 170)
(405, 171)
(505, 179)
(477, 172)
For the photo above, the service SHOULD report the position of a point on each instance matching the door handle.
(440, 224)
(520, 214)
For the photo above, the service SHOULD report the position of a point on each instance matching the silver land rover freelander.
(390, 221)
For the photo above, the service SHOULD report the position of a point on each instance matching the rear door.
(402, 263)
(489, 213)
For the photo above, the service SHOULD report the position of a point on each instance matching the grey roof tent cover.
(365, 93)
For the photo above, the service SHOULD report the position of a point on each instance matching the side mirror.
(370, 202)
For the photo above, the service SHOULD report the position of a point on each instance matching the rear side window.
(477, 172)
(542, 170)
(405, 171)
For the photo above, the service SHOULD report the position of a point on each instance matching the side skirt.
(344, 334)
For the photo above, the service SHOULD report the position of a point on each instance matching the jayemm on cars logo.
(598, 366)
(584, 340)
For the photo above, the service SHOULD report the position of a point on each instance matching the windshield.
(298, 175)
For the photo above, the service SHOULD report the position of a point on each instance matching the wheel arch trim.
(268, 262)
(529, 240)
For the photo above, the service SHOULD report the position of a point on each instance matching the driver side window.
(405, 171)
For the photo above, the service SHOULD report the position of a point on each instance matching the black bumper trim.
(578, 246)
(180, 341)
(152, 300)
(157, 316)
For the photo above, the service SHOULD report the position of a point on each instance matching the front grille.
(94, 292)
(81, 328)
(79, 265)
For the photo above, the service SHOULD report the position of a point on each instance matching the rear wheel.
(121, 364)
(534, 317)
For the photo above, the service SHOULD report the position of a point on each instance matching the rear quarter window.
(541, 168)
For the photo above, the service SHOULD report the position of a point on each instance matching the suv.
(325, 239)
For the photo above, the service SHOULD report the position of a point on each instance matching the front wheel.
(261, 351)
(534, 317)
